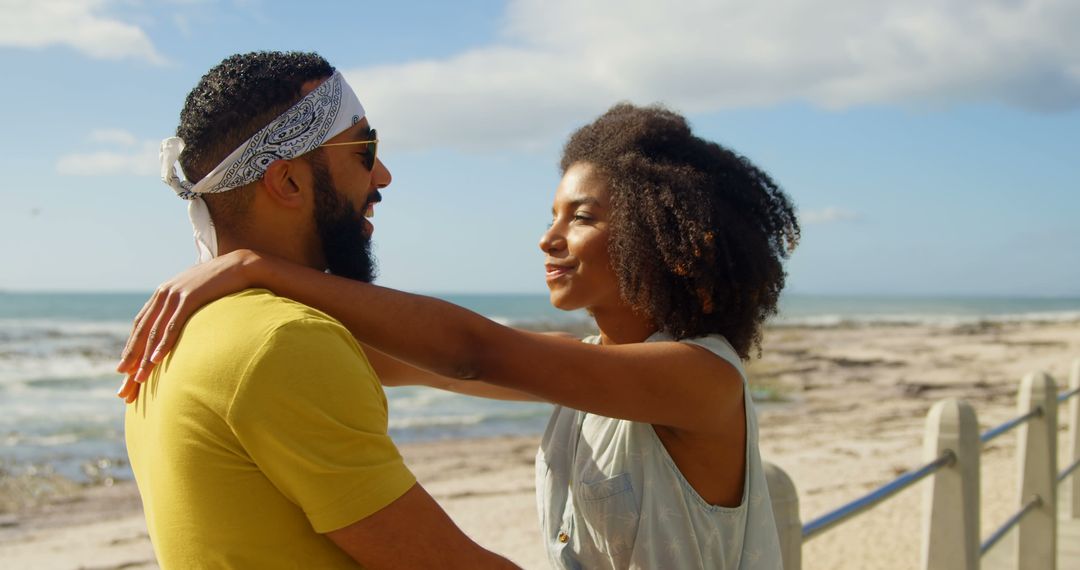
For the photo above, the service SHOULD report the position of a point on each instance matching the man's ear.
(283, 182)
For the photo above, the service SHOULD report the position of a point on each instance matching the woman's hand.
(161, 319)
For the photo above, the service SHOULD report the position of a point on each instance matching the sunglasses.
(370, 150)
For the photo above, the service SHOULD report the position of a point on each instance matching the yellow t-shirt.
(264, 427)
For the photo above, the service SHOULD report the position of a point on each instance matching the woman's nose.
(552, 240)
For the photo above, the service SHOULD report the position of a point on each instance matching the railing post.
(785, 506)
(1074, 437)
(951, 500)
(1037, 455)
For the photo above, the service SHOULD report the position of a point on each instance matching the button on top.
(564, 538)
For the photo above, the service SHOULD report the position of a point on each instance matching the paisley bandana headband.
(322, 114)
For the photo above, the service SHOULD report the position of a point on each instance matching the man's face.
(345, 191)
(346, 243)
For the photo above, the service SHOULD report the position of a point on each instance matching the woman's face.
(578, 267)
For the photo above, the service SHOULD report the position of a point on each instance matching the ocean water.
(59, 414)
(832, 310)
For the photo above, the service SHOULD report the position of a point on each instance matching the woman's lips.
(554, 272)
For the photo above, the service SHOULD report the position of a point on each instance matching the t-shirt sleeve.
(312, 415)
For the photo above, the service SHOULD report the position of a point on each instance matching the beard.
(345, 245)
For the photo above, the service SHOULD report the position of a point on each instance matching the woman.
(675, 246)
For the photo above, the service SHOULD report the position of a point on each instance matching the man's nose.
(380, 175)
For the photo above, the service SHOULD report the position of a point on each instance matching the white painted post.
(1074, 438)
(951, 500)
(785, 506)
(1037, 455)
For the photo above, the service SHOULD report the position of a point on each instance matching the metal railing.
(831, 519)
(1014, 520)
(1029, 506)
(952, 447)
(993, 433)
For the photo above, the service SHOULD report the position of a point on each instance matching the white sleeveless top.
(610, 496)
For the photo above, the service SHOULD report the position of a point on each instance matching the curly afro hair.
(698, 233)
(235, 99)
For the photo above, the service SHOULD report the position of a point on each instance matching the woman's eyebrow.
(579, 202)
(584, 201)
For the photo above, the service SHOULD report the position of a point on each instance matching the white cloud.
(79, 24)
(137, 158)
(828, 215)
(558, 63)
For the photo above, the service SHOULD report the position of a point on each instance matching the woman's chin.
(561, 302)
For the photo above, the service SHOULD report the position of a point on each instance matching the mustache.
(375, 198)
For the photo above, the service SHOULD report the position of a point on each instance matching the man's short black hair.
(698, 233)
(235, 99)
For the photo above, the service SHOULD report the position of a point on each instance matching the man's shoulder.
(281, 328)
(293, 353)
(280, 341)
(255, 325)
(260, 310)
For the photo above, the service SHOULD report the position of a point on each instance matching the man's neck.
(278, 246)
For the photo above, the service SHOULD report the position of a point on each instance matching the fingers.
(168, 339)
(151, 346)
(130, 354)
(129, 390)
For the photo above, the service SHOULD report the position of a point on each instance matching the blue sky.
(931, 147)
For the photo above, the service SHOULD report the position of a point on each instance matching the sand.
(853, 417)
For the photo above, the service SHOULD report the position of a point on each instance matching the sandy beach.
(851, 417)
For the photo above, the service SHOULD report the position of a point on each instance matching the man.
(260, 441)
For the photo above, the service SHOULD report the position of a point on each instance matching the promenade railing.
(951, 449)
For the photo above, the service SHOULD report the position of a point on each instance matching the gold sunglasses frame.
(374, 152)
